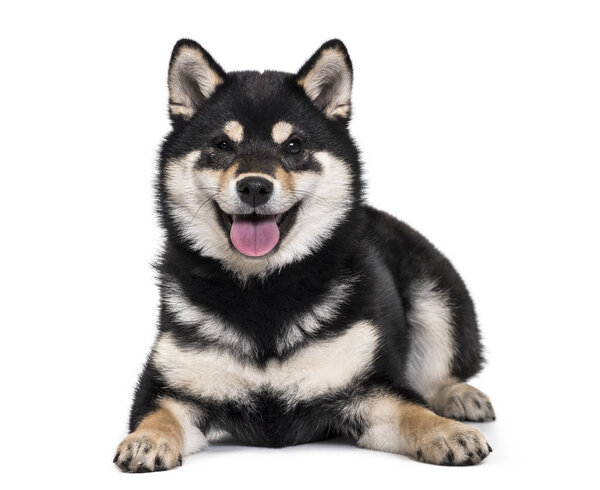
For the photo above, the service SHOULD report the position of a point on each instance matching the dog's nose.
(254, 190)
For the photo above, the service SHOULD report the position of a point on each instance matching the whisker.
(196, 189)
(201, 205)
(321, 199)
(193, 192)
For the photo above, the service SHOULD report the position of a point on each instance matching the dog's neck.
(335, 255)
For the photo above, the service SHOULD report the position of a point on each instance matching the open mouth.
(255, 235)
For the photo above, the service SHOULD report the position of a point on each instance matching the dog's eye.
(223, 145)
(293, 146)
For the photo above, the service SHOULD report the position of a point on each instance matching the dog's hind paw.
(461, 401)
(145, 451)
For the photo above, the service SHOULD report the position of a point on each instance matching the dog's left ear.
(193, 78)
(327, 79)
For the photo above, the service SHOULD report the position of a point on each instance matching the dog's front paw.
(461, 401)
(144, 451)
(453, 444)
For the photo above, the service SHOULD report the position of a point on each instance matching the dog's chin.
(257, 236)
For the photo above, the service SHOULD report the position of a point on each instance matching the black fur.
(385, 254)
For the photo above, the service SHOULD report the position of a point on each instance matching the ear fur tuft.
(326, 78)
(193, 78)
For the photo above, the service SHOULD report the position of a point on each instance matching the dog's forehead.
(257, 101)
(259, 86)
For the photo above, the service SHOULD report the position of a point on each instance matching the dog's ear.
(193, 78)
(327, 79)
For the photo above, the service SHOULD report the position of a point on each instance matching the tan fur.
(437, 440)
(156, 444)
(286, 179)
(461, 401)
(394, 425)
(225, 177)
(243, 175)
(234, 131)
(281, 131)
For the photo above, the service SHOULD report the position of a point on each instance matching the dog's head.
(259, 170)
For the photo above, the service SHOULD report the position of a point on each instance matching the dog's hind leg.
(436, 360)
(390, 424)
(461, 401)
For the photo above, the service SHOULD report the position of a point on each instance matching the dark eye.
(223, 145)
(293, 146)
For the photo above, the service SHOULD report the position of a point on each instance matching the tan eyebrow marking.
(234, 131)
(281, 131)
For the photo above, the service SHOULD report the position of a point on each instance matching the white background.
(479, 124)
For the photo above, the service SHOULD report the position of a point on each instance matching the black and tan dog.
(290, 310)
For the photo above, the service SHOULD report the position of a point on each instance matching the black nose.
(254, 190)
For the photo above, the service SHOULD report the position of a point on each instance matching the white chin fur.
(325, 201)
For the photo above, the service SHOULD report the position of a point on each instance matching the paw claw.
(146, 451)
(125, 464)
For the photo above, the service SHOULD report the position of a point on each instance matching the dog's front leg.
(161, 438)
(390, 424)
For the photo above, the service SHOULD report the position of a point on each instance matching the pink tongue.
(254, 237)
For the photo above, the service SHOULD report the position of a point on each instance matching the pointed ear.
(327, 79)
(193, 78)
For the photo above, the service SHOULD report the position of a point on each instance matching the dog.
(291, 311)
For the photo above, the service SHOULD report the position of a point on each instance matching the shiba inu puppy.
(291, 311)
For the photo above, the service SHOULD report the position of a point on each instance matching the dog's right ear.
(193, 78)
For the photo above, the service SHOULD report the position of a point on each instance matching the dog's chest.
(240, 330)
(316, 369)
